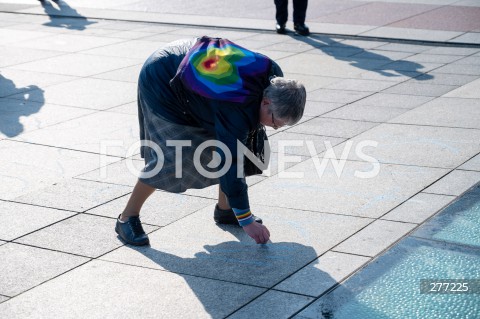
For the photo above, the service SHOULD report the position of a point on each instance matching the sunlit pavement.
(398, 97)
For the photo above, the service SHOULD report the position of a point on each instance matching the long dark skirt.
(154, 128)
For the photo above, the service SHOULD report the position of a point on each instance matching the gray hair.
(287, 99)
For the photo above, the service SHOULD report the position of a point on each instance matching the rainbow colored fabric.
(222, 70)
(244, 216)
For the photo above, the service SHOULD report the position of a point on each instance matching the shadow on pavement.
(63, 16)
(12, 110)
(239, 262)
(360, 58)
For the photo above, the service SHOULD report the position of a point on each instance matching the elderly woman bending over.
(206, 92)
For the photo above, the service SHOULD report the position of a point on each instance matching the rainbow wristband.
(244, 216)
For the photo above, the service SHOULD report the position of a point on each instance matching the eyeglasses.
(275, 126)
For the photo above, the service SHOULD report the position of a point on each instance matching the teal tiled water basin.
(457, 223)
(447, 247)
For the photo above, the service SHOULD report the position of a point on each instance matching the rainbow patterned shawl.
(222, 70)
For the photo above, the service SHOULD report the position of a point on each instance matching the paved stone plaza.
(68, 117)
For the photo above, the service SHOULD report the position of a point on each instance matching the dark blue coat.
(227, 121)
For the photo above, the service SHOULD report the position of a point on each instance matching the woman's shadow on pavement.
(242, 262)
(12, 109)
(63, 16)
(361, 58)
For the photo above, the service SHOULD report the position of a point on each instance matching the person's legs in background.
(281, 15)
(299, 15)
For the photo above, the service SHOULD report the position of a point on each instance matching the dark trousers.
(299, 11)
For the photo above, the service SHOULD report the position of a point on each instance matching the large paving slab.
(104, 133)
(337, 96)
(375, 238)
(473, 59)
(472, 164)
(25, 267)
(280, 162)
(127, 74)
(311, 82)
(446, 79)
(327, 65)
(316, 108)
(336, 50)
(134, 49)
(441, 18)
(452, 112)
(361, 85)
(470, 91)
(468, 37)
(451, 50)
(394, 100)
(296, 143)
(12, 55)
(455, 183)
(418, 208)
(296, 47)
(96, 290)
(65, 42)
(413, 87)
(126, 172)
(458, 68)
(114, 139)
(368, 113)
(21, 174)
(322, 274)
(408, 66)
(85, 235)
(403, 47)
(18, 117)
(127, 108)
(304, 189)
(433, 58)
(74, 195)
(273, 304)
(89, 93)
(227, 253)
(18, 81)
(123, 172)
(332, 127)
(383, 55)
(376, 13)
(160, 209)
(434, 146)
(13, 217)
(77, 64)
(412, 34)
(10, 37)
(389, 75)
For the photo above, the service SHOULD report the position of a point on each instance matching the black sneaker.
(132, 231)
(281, 28)
(301, 29)
(227, 216)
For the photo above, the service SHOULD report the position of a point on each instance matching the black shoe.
(132, 231)
(227, 216)
(301, 29)
(281, 28)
